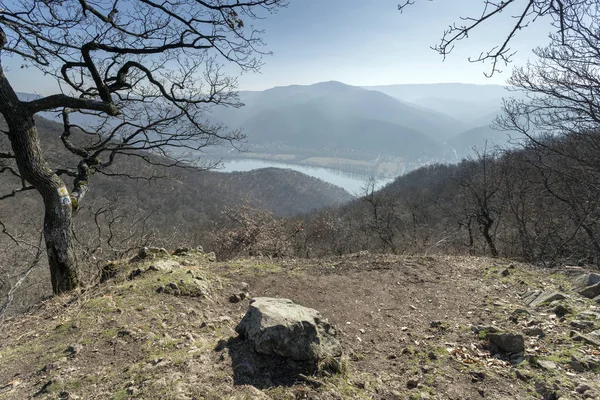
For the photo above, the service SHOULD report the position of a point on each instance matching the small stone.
(561, 310)
(135, 273)
(535, 332)
(74, 349)
(583, 338)
(212, 257)
(412, 383)
(221, 345)
(181, 251)
(582, 325)
(426, 369)
(487, 329)
(435, 324)
(578, 365)
(547, 392)
(164, 265)
(522, 375)
(477, 376)
(582, 388)
(506, 343)
(145, 252)
(547, 365)
(588, 315)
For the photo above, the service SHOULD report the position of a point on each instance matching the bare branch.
(60, 100)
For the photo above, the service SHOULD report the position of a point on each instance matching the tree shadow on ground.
(262, 371)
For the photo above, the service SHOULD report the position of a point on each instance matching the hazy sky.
(365, 42)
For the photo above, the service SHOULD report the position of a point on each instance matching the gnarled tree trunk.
(34, 169)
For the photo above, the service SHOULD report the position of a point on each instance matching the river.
(353, 183)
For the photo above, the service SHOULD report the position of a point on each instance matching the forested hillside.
(538, 203)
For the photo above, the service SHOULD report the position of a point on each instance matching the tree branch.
(60, 100)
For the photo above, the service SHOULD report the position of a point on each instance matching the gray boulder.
(546, 297)
(164, 265)
(276, 326)
(582, 325)
(590, 291)
(584, 280)
(509, 345)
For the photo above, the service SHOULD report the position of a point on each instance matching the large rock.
(507, 342)
(584, 280)
(546, 297)
(590, 291)
(280, 327)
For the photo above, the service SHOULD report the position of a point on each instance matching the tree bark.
(487, 225)
(33, 168)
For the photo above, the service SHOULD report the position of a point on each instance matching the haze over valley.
(384, 131)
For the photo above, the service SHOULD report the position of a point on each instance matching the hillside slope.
(411, 327)
(191, 194)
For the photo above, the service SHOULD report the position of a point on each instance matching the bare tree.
(13, 279)
(383, 214)
(481, 186)
(141, 73)
(564, 15)
(562, 85)
(560, 117)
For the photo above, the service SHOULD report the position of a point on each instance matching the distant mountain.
(402, 125)
(460, 91)
(470, 112)
(466, 102)
(333, 114)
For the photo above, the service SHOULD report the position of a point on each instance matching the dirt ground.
(408, 325)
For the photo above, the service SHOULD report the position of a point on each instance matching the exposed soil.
(405, 323)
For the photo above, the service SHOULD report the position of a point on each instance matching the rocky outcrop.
(590, 291)
(587, 285)
(276, 326)
(538, 298)
(584, 280)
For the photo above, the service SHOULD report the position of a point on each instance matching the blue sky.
(364, 42)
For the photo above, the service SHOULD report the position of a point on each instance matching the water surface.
(353, 183)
